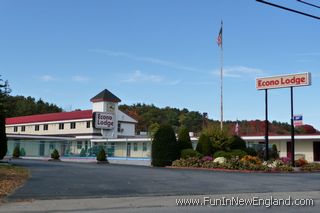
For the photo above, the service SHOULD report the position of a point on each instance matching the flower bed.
(247, 162)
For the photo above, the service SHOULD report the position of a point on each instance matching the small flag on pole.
(297, 120)
(219, 39)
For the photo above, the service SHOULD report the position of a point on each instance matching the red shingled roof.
(60, 116)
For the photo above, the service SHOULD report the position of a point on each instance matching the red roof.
(60, 116)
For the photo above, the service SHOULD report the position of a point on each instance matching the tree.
(204, 145)
(236, 142)
(164, 147)
(4, 91)
(55, 155)
(184, 140)
(219, 139)
(16, 152)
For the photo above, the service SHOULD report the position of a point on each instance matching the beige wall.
(53, 128)
(304, 147)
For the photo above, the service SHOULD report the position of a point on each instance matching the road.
(61, 181)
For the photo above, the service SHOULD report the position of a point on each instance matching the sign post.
(282, 81)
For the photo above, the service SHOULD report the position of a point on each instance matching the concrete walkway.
(157, 204)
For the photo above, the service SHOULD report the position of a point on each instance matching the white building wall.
(126, 129)
(53, 128)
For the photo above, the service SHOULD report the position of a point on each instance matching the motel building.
(78, 135)
(306, 146)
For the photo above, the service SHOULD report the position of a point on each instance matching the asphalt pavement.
(62, 185)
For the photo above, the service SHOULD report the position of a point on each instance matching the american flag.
(219, 39)
(236, 129)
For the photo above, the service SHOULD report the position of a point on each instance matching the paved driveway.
(58, 180)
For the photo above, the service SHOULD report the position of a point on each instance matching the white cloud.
(47, 78)
(141, 77)
(149, 60)
(79, 78)
(240, 71)
(138, 76)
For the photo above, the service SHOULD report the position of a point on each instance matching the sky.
(161, 52)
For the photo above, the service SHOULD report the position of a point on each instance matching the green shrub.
(83, 153)
(204, 145)
(164, 147)
(251, 151)
(55, 155)
(16, 152)
(238, 153)
(274, 154)
(224, 154)
(188, 153)
(311, 167)
(101, 155)
(189, 162)
(219, 139)
(184, 140)
(236, 142)
(22, 152)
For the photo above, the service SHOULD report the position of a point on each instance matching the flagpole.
(221, 80)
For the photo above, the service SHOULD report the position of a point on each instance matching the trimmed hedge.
(204, 145)
(55, 155)
(184, 140)
(164, 147)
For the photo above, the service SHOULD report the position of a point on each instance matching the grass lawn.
(11, 177)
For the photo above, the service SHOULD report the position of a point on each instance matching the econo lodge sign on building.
(281, 81)
(103, 120)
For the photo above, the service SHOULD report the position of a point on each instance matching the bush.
(204, 145)
(184, 140)
(101, 155)
(55, 155)
(16, 152)
(300, 162)
(236, 142)
(274, 152)
(248, 159)
(285, 160)
(238, 153)
(251, 151)
(22, 152)
(189, 162)
(3, 137)
(224, 154)
(164, 147)
(188, 153)
(311, 167)
(83, 153)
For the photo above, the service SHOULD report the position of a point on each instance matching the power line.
(304, 2)
(286, 8)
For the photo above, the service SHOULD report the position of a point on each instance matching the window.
(119, 127)
(45, 127)
(52, 145)
(72, 125)
(135, 146)
(61, 125)
(15, 129)
(144, 146)
(88, 124)
(23, 128)
(36, 128)
(79, 144)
